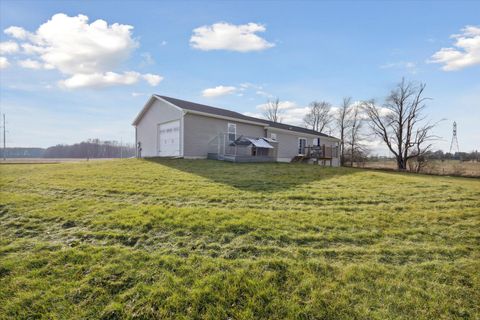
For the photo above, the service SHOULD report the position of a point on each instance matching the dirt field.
(447, 167)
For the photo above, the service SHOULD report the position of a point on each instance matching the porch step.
(300, 159)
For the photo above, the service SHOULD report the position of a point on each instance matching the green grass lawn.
(179, 239)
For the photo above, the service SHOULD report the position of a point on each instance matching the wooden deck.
(319, 152)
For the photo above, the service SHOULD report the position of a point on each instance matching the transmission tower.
(454, 143)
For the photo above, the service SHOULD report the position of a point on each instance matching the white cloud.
(85, 52)
(72, 45)
(137, 94)
(152, 79)
(382, 111)
(254, 114)
(4, 63)
(226, 36)
(410, 66)
(99, 80)
(257, 88)
(147, 59)
(29, 64)
(8, 47)
(291, 112)
(218, 91)
(242, 89)
(295, 116)
(264, 94)
(29, 48)
(249, 85)
(465, 54)
(282, 105)
(16, 32)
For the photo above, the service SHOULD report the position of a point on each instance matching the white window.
(232, 131)
(316, 142)
(273, 136)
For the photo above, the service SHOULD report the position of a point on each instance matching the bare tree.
(342, 119)
(272, 110)
(423, 144)
(400, 122)
(319, 117)
(354, 134)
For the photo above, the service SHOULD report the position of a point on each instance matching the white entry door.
(302, 143)
(169, 139)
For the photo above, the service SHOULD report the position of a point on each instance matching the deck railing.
(321, 152)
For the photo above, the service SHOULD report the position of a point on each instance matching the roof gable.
(148, 105)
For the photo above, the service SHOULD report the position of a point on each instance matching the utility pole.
(4, 140)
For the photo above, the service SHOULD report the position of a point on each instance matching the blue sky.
(61, 88)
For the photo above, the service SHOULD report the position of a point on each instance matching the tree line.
(399, 122)
(437, 155)
(92, 148)
(22, 152)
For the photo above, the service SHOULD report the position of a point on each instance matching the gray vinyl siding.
(288, 143)
(200, 130)
(159, 112)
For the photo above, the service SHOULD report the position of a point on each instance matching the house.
(169, 127)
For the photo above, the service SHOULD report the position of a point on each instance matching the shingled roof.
(187, 105)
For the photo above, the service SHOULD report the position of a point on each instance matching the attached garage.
(169, 139)
(159, 129)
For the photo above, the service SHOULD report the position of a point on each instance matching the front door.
(169, 139)
(302, 143)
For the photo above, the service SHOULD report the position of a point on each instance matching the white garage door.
(169, 139)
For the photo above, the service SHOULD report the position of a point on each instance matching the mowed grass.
(179, 239)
